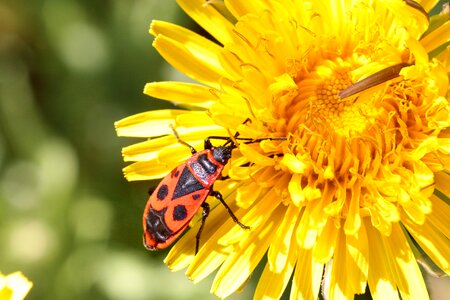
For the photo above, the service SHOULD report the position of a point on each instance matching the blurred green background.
(68, 218)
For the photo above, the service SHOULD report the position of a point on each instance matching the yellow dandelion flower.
(360, 90)
(14, 286)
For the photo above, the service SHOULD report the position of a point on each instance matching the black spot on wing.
(175, 173)
(195, 196)
(162, 192)
(157, 226)
(179, 213)
(187, 184)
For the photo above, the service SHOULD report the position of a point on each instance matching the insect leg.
(151, 190)
(208, 144)
(205, 214)
(232, 215)
(193, 151)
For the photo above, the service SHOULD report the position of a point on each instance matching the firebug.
(183, 191)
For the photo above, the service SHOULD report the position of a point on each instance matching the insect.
(183, 191)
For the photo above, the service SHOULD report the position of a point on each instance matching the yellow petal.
(147, 150)
(211, 254)
(432, 241)
(381, 273)
(254, 217)
(240, 264)
(442, 180)
(278, 253)
(419, 52)
(326, 242)
(241, 8)
(255, 157)
(436, 38)
(208, 18)
(428, 4)
(293, 163)
(317, 217)
(248, 193)
(272, 284)
(339, 284)
(176, 153)
(306, 287)
(306, 235)
(353, 221)
(426, 146)
(181, 93)
(196, 44)
(154, 148)
(148, 124)
(357, 260)
(185, 61)
(296, 190)
(411, 16)
(14, 286)
(406, 272)
(144, 170)
(440, 215)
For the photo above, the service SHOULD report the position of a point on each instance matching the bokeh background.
(68, 218)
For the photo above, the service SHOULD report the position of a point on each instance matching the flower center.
(321, 108)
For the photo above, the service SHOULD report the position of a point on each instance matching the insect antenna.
(193, 151)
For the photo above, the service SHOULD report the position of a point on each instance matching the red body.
(179, 195)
